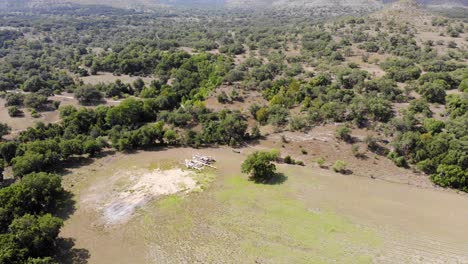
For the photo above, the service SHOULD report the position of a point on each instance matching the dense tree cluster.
(28, 229)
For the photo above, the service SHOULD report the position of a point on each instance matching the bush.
(434, 92)
(355, 150)
(87, 95)
(223, 98)
(35, 114)
(35, 101)
(4, 129)
(340, 166)
(321, 162)
(259, 165)
(400, 161)
(14, 111)
(343, 133)
(255, 132)
(14, 99)
(289, 160)
(463, 85)
(451, 176)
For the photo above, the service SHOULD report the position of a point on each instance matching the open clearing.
(116, 198)
(314, 216)
(107, 77)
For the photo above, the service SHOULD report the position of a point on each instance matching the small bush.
(35, 114)
(321, 162)
(355, 150)
(223, 98)
(14, 111)
(289, 160)
(340, 166)
(400, 161)
(343, 133)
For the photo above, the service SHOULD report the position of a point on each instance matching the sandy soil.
(107, 77)
(118, 197)
(248, 99)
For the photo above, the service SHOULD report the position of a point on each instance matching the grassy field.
(232, 219)
(313, 216)
(252, 223)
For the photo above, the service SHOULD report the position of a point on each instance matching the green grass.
(243, 221)
(281, 229)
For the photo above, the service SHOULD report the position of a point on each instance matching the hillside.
(21, 4)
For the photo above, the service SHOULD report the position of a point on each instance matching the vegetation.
(28, 228)
(355, 71)
(260, 167)
(340, 166)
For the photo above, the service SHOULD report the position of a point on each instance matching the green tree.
(35, 101)
(138, 85)
(4, 129)
(260, 167)
(87, 94)
(8, 150)
(451, 176)
(434, 92)
(36, 233)
(34, 84)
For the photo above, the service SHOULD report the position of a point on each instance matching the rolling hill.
(25, 4)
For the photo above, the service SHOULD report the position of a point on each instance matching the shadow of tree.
(379, 150)
(277, 179)
(66, 252)
(66, 205)
(7, 182)
(64, 167)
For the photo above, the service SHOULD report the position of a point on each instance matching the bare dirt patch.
(118, 197)
(107, 77)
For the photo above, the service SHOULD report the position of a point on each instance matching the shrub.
(255, 132)
(340, 166)
(14, 99)
(321, 162)
(35, 114)
(451, 176)
(4, 129)
(463, 85)
(343, 133)
(259, 165)
(289, 160)
(400, 161)
(434, 92)
(14, 111)
(223, 98)
(355, 150)
(87, 95)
